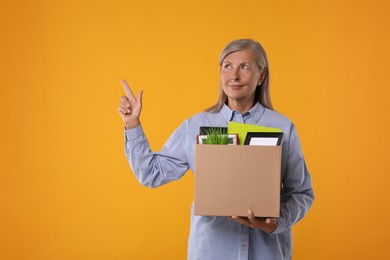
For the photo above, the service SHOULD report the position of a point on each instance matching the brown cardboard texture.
(231, 179)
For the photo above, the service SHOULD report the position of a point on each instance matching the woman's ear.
(263, 76)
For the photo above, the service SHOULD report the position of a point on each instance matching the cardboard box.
(230, 179)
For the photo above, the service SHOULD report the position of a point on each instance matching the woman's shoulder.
(277, 115)
(203, 116)
(204, 119)
(276, 119)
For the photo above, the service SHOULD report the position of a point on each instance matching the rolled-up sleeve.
(297, 194)
(153, 169)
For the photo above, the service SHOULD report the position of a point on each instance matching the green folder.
(242, 129)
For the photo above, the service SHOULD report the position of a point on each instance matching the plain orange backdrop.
(66, 190)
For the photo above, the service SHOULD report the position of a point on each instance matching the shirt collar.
(256, 112)
(226, 112)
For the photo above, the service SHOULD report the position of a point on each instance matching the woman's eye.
(245, 67)
(228, 66)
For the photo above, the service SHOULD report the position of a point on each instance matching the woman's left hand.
(266, 224)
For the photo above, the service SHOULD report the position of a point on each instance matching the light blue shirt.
(219, 237)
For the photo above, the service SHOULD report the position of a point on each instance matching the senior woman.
(244, 97)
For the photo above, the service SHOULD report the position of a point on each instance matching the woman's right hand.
(130, 107)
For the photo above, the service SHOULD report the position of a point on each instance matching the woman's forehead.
(244, 55)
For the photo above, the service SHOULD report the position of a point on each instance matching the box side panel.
(229, 180)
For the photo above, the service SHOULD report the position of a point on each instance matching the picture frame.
(264, 138)
(233, 139)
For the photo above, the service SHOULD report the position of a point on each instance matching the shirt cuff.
(279, 227)
(133, 133)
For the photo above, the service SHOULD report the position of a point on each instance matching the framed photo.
(232, 139)
(263, 138)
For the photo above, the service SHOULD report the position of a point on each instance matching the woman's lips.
(235, 86)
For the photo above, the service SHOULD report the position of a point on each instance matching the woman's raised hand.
(130, 107)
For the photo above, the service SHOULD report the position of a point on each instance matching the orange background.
(66, 190)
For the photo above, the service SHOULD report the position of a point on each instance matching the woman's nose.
(234, 76)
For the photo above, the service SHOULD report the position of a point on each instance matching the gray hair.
(262, 93)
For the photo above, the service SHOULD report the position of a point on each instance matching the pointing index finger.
(127, 89)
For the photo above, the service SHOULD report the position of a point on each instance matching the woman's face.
(240, 76)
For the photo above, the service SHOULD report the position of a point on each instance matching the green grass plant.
(215, 135)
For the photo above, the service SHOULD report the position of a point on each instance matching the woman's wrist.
(132, 124)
